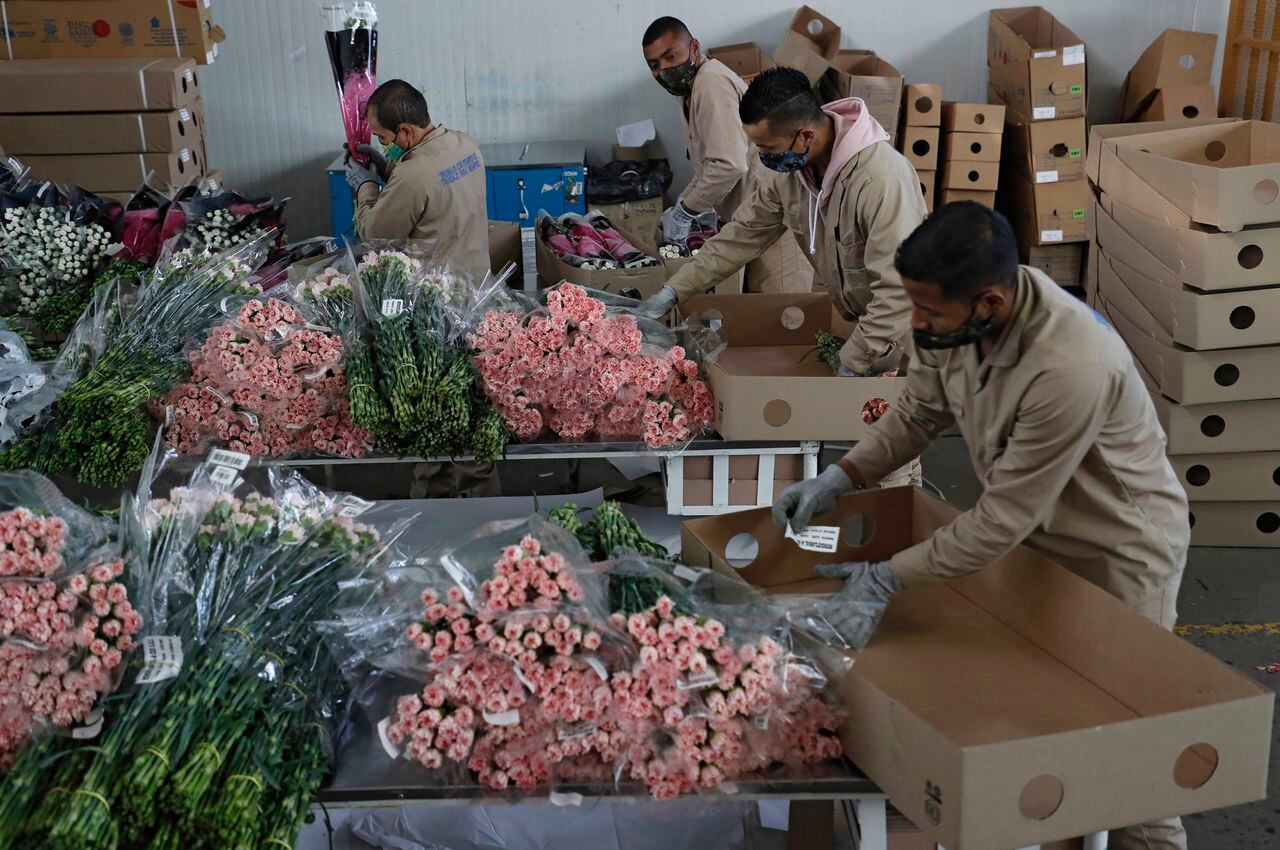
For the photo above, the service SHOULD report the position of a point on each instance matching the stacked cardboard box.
(1188, 271)
(1037, 69)
(1171, 80)
(109, 29)
(919, 139)
(971, 134)
(104, 124)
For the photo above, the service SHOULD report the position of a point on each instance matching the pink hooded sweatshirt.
(855, 131)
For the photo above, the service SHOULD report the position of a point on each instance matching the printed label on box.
(1050, 235)
(161, 658)
(1044, 54)
(816, 538)
(184, 155)
(1043, 113)
(1073, 55)
(222, 457)
(184, 114)
(1047, 176)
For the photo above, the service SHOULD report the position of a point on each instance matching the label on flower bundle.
(91, 728)
(353, 506)
(222, 457)
(762, 722)
(392, 750)
(161, 658)
(504, 718)
(595, 664)
(576, 730)
(687, 573)
(523, 679)
(697, 681)
(113, 249)
(224, 476)
(561, 798)
(219, 396)
(816, 538)
(311, 326)
(252, 420)
(392, 307)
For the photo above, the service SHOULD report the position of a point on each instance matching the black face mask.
(678, 80)
(967, 334)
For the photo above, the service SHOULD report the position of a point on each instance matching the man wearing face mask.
(1060, 429)
(435, 184)
(718, 148)
(848, 198)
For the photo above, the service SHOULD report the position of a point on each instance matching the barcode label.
(762, 722)
(190, 75)
(353, 506)
(816, 538)
(392, 307)
(1047, 176)
(222, 457)
(705, 679)
(1044, 54)
(185, 155)
(161, 658)
(1073, 55)
(1050, 235)
(184, 114)
(578, 730)
(224, 476)
(1043, 113)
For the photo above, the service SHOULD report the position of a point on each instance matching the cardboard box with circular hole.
(768, 382)
(1251, 524)
(991, 708)
(1236, 426)
(1232, 477)
(1036, 64)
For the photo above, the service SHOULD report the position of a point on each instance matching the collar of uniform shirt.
(435, 133)
(1009, 345)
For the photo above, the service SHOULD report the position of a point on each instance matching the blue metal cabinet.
(523, 178)
(342, 202)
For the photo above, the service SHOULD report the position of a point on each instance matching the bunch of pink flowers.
(583, 374)
(264, 383)
(30, 544)
(522, 689)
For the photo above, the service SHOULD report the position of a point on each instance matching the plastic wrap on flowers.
(19, 379)
(351, 36)
(217, 223)
(265, 383)
(582, 371)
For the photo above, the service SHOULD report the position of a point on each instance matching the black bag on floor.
(628, 180)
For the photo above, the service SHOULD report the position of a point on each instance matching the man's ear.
(695, 48)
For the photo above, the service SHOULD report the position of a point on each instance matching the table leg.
(811, 825)
(873, 827)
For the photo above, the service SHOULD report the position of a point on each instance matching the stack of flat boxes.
(971, 134)
(1036, 67)
(1187, 269)
(919, 139)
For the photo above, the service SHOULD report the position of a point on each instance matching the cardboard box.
(922, 105)
(119, 172)
(920, 147)
(972, 117)
(98, 85)
(983, 706)
(1208, 261)
(1100, 134)
(809, 43)
(1060, 262)
(928, 186)
(109, 29)
(505, 247)
(1046, 213)
(552, 270)
(627, 153)
(1238, 426)
(99, 132)
(1036, 64)
(1233, 477)
(1250, 524)
(1223, 175)
(1177, 104)
(971, 147)
(1177, 58)
(1196, 319)
(1046, 151)
(768, 384)
(863, 74)
(636, 217)
(746, 60)
(951, 196)
(1187, 377)
(973, 176)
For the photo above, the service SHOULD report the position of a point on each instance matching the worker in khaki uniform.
(723, 157)
(435, 190)
(1061, 432)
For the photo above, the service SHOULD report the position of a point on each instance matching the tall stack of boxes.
(106, 125)
(1187, 269)
(1171, 81)
(971, 135)
(919, 139)
(1036, 67)
(109, 29)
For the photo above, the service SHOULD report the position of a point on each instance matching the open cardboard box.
(1223, 175)
(811, 40)
(1231, 477)
(746, 60)
(863, 74)
(1020, 704)
(1176, 59)
(1100, 134)
(1050, 151)
(1179, 103)
(648, 280)
(768, 382)
(1251, 524)
(638, 218)
(1035, 63)
(1196, 319)
(1222, 427)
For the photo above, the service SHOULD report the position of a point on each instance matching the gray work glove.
(660, 303)
(855, 611)
(376, 160)
(676, 223)
(804, 500)
(358, 175)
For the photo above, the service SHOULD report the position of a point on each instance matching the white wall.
(504, 70)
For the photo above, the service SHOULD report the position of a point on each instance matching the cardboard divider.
(1252, 524)
(1223, 427)
(1231, 477)
(638, 218)
(973, 691)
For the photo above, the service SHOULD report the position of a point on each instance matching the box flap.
(822, 33)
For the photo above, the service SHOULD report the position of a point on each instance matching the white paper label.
(697, 681)
(506, 718)
(519, 673)
(222, 457)
(1050, 235)
(727, 787)
(43, 188)
(184, 114)
(392, 307)
(184, 155)
(595, 664)
(190, 75)
(224, 476)
(762, 722)
(561, 798)
(577, 730)
(1043, 113)
(113, 249)
(1047, 176)
(92, 726)
(353, 506)
(253, 420)
(816, 538)
(219, 396)
(161, 658)
(392, 750)
(687, 573)
(1043, 54)
(1073, 55)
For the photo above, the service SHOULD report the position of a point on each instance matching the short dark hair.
(395, 102)
(661, 27)
(784, 97)
(962, 248)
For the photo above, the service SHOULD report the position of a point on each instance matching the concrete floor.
(1221, 587)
